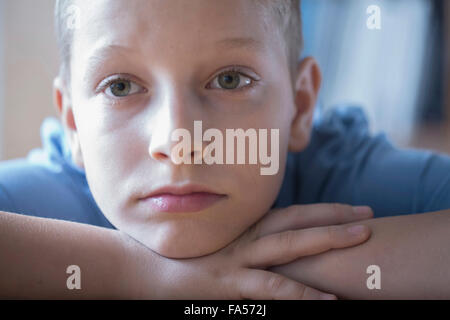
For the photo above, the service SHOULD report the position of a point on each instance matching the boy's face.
(169, 56)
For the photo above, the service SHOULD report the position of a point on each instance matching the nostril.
(159, 156)
(196, 156)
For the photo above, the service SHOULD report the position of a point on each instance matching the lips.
(187, 198)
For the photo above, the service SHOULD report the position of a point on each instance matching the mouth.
(187, 198)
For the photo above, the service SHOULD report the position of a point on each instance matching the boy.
(123, 91)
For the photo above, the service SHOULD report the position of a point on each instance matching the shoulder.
(31, 187)
(345, 163)
(49, 192)
(339, 138)
(44, 184)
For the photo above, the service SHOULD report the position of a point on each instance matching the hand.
(239, 271)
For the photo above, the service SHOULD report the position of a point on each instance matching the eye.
(121, 87)
(230, 80)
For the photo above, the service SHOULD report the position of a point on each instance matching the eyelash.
(238, 71)
(105, 84)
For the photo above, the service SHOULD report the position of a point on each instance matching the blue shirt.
(343, 163)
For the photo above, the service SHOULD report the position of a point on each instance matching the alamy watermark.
(374, 280)
(73, 14)
(74, 280)
(374, 19)
(219, 151)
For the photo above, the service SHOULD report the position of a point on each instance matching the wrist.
(139, 271)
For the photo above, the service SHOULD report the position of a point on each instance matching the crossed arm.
(412, 251)
(35, 253)
(284, 256)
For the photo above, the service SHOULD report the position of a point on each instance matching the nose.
(175, 110)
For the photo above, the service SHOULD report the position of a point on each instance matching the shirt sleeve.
(47, 192)
(6, 202)
(402, 181)
(436, 184)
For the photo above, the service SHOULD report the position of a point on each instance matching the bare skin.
(412, 252)
(113, 265)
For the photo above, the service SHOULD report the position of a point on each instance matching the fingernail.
(357, 230)
(326, 296)
(362, 210)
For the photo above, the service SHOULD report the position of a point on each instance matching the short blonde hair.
(286, 12)
(287, 15)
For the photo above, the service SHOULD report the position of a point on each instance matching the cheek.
(111, 153)
(257, 192)
(109, 161)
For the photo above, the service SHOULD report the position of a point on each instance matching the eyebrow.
(240, 43)
(98, 55)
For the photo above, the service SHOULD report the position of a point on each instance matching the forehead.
(172, 26)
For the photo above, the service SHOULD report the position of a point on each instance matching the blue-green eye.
(122, 88)
(230, 80)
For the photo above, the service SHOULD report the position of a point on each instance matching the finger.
(309, 216)
(284, 247)
(265, 285)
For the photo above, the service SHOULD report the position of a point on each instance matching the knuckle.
(234, 286)
(330, 233)
(292, 210)
(287, 239)
(302, 292)
(339, 210)
(295, 208)
(275, 283)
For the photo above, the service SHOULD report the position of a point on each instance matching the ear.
(307, 85)
(62, 102)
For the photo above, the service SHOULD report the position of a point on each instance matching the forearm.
(35, 254)
(413, 253)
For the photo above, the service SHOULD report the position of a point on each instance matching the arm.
(35, 253)
(412, 251)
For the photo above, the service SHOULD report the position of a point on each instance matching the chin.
(178, 243)
(174, 253)
(185, 250)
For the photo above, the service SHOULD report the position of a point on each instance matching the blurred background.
(28, 63)
(399, 74)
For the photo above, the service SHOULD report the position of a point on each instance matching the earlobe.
(63, 104)
(307, 86)
(57, 95)
(65, 111)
